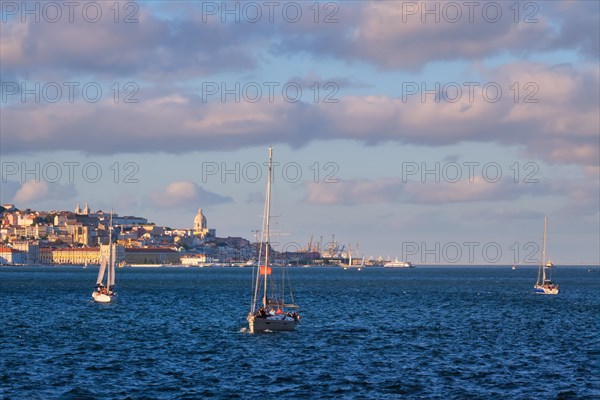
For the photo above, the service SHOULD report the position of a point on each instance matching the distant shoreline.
(417, 266)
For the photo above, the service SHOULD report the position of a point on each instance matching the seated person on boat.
(272, 314)
(294, 315)
(261, 313)
(100, 288)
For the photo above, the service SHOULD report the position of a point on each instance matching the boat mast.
(109, 275)
(544, 252)
(349, 256)
(266, 266)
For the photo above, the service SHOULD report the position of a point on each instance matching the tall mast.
(267, 224)
(349, 256)
(544, 252)
(109, 276)
(542, 268)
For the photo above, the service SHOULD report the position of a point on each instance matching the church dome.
(199, 221)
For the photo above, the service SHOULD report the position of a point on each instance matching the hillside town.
(30, 237)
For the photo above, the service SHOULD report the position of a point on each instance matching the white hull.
(357, 267)
(540, 289)
(145, 265)
(274, 323)
(101, 297)
(399, 265)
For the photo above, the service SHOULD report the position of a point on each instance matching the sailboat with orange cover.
(269, 310)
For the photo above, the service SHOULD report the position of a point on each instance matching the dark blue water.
(177, 333)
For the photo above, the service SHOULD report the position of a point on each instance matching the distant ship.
(399, 264)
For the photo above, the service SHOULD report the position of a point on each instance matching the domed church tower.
(200, 227)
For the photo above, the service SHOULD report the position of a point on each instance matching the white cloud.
(395, 190)
(185, 194)
(34, 192)
(351, 192)
(403, 35)
(561, 127)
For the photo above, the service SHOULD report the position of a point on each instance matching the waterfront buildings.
(78, 237)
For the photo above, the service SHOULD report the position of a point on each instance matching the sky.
(434, 132)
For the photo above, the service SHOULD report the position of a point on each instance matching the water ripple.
(463, 333)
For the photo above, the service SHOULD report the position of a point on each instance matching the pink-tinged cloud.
(34, 192)
(180, 41)
(498, 214)
(464, 191)
(395, 190)
(561, 126)
(400, 34)
(412, 34)
(351, 192)
(579, 196)
(185, 194)
(151, 46)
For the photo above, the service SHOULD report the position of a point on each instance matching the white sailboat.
(105, 283)
(350, 261)
(268, 311)
(544, 284)
(346, 266)
(362, 263)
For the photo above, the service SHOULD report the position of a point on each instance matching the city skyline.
(394, 124)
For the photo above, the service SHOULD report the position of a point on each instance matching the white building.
(196, 260)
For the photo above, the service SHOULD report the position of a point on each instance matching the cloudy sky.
(429, 131)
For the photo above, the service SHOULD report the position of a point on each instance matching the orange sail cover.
(264, 270)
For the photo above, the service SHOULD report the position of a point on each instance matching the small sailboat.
(105, 283)
(268, 309)
(544, 284)
(351, 263)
